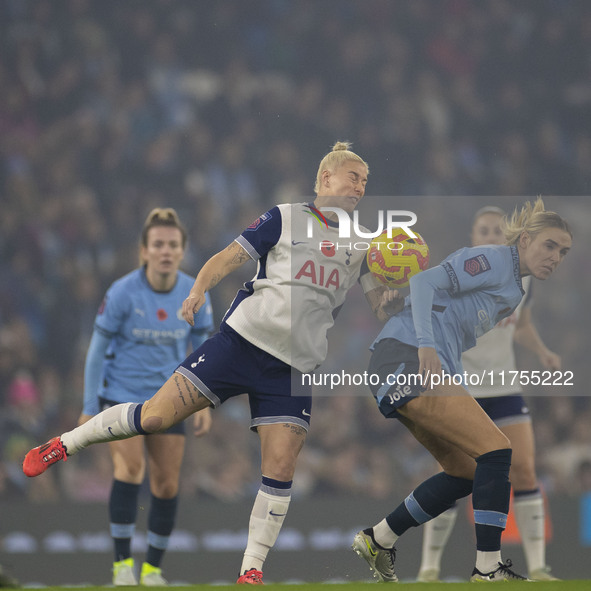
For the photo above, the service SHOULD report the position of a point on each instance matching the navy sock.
(276, 487)
(432, 497)
(137, 419)
(490, 498)
(160, 524)
(534, 492)
(122, 515)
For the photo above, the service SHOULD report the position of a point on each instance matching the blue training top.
(139, 338)
(451, 305)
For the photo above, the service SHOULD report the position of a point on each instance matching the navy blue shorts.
(178, 429)
(227, 365)
(505, 410)
(397, 365)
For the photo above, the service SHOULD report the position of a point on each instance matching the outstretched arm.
(215, 269)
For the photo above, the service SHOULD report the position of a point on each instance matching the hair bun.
(341, 146)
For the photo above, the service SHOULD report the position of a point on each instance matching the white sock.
(111, 424)
(486, 562)
(529, 515)
(383, 535)
(435, 536)
(266, 519)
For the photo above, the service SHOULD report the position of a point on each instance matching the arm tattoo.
(240, 256)
(214, 280)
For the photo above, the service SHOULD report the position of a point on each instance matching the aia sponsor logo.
(319, 275)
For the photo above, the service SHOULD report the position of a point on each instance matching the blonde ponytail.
(532, 218)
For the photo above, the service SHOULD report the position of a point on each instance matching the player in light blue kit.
(492, 359)
(448, 308)
(274, 332)
(139, 337)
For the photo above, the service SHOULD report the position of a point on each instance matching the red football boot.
(40, 458)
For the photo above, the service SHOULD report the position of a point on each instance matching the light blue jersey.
(451, 305)
(139, 339)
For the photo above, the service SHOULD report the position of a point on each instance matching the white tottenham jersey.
(494, 352)
(300, 284)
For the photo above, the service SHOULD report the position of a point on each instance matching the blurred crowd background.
(223, 109)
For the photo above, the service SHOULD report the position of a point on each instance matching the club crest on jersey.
(476, 265)
(259, 221)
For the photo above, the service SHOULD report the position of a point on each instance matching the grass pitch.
(362, 586)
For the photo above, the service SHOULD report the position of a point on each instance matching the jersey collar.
(149, 286)
(516, 273)
(320, 216)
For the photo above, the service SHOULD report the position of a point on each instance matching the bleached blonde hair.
(339, 154)
(532, 218)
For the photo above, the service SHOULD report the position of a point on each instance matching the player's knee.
(493, 442)
(131, 472)
(165, 489)
(152, 424)
(279, 468)
(153, 420)
(523, 476)
(501, 441)
(458, 465)
(128, 468)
